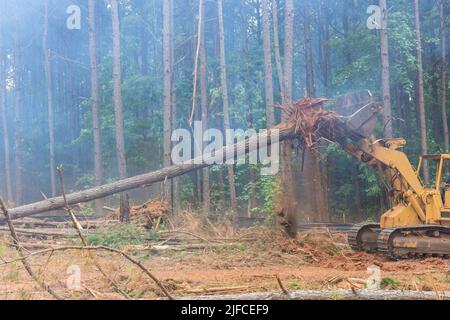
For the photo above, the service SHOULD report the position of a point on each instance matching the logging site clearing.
(265, 150)
(209, 259)
(145, 251)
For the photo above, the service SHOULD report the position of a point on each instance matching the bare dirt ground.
(249, 262)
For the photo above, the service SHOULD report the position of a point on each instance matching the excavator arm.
(412, 204)
(414, 225)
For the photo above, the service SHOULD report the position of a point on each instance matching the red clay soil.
(316, 260)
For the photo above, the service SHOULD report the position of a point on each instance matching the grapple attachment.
(359, 111)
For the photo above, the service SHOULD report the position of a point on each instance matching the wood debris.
(149, 214)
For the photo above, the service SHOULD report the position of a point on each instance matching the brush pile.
(148, 214)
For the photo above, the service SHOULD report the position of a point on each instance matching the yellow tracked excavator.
(418, 222)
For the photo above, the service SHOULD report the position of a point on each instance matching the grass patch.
(294, 286)
(120, 236)
(444, 279)
(389, 283)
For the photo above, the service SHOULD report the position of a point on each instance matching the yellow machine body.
(413, 203)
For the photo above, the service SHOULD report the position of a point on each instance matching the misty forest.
(240, 149)
(99, 86)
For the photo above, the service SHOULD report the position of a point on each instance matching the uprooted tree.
(308, 122)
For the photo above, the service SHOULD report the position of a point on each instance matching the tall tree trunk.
(276, 44)
(268, 74)
(310, 85)
(434, 82)
(288, 49)
(145, 68)
(167, 107)
(17, 117)
(206, 188)
(51, 124)
(385, 77)
(324, 21)
(444, 75)
(117, 79)
(314, 163)
(4, 119)
(357, 189)
(420, 92)
(252, 176)
(226, 114)
(220, 177)
(289, 199)
(95, 102)
(176, 201)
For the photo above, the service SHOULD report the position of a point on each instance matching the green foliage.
(389, 283)
(120, 236)
(270, 186)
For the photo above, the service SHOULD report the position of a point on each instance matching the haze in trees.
(104, 97)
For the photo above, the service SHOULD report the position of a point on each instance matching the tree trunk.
(325, 45)
(444, 75)
(355, 294)
(310, 85)
(420, 92)
(206, 189)
(314, 164)
(146, 179)
(167, 108)
(252, 191)
(95, 101)
(289, 199)
(176, 201)
(434, 82)
(276, 44)
(226, 114)
(145, 68)
(288, 50)
(385, 77)
(124, 208)
(17, 118)
(117, 79)
(48, 78)
(220, 176)
(268, 74)
(357, 189)
(4, 119)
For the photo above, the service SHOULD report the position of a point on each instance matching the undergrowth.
(120, 236)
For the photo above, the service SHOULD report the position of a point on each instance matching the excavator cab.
(445, 182)
(447, 194)
(439, 164)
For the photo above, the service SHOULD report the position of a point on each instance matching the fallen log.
(307, 121)
(238, 149)
(188, 247)
(363, 294)
(89, 224)
(42, 232)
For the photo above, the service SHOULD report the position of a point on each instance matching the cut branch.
(20, 251)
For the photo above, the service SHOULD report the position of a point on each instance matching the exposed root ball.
(307, 116)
